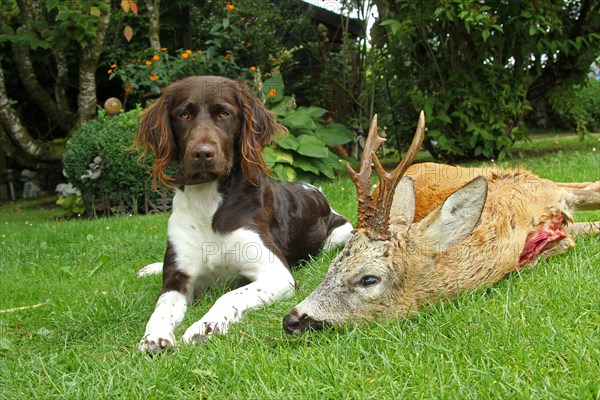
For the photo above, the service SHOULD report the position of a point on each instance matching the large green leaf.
(284, 106)
(315, 112)
(334, 134)
(307, 166)
(326, 169)
(273, 156)
(284, 173)
(288, 142)
(311, 146)
(299, 119)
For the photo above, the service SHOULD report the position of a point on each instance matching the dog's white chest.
(206, 256)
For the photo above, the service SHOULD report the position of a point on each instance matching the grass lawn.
(536, 334)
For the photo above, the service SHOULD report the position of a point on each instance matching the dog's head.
(209, 125)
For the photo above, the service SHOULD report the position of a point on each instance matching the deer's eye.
(185, 115)
(369, 280)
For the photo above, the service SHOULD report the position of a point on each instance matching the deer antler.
(374, 208)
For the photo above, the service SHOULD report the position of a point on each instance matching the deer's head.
(381, 268)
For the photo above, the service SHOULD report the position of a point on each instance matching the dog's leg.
(338, 237)
(271, 282)
(170, 309)
(175, 295)
(151, 269)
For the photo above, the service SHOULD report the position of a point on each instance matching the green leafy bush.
(305, 151)
(71, 205)
(590, 98)
(476, 68)
(99, 161)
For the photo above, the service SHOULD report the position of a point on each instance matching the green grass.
(535, 334)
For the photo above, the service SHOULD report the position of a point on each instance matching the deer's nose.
(294, 324)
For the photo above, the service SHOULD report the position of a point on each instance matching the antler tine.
(384, 193)
(374, 209)
(362, 179)
(398, 172)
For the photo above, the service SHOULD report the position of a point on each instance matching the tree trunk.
(63, 118)
(86, 100)
(186, 31)
(62, 82)
(153, 7)
(16, 132)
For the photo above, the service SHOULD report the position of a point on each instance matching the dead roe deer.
(439, 231)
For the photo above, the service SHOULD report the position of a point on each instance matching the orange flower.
(199, 51)
(148, 63)
(272, 92)
(229, 6)
(109, 71)
(188, 52)
(113, 66)
(227, 56)
(156, 57)
(127, 88)
(153, 77)
(193, 58)
(164, 49)
(185, 55)
(252, 68)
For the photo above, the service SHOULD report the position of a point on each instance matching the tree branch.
(15, 130)
(22, 58)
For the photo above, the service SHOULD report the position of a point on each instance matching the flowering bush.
(149, 72)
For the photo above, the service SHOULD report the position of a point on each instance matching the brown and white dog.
(229, 221)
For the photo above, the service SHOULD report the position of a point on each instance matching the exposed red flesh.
(537, 242)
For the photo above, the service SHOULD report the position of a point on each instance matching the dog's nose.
(204, 152)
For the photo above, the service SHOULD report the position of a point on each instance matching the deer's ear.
(403, 205)
(456, 218)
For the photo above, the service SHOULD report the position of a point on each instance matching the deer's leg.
(584, 228)
(593, 186)
(584, 199)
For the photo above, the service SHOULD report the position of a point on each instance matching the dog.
(229, 222)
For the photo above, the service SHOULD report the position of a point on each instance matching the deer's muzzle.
(295, 324)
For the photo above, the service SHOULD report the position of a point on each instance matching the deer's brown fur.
(451, 230)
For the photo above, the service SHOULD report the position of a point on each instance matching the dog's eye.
(222, 115)
(185, 115)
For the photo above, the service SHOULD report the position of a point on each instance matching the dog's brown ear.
(259, 127)
(155, 136)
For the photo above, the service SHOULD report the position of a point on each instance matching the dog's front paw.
(151, 269)
(152, 343)
(201, 331)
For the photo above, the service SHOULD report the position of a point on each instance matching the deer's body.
(519, 206)
(449, 230)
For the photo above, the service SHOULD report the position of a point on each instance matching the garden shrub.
(99, 160)
(590, 98)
